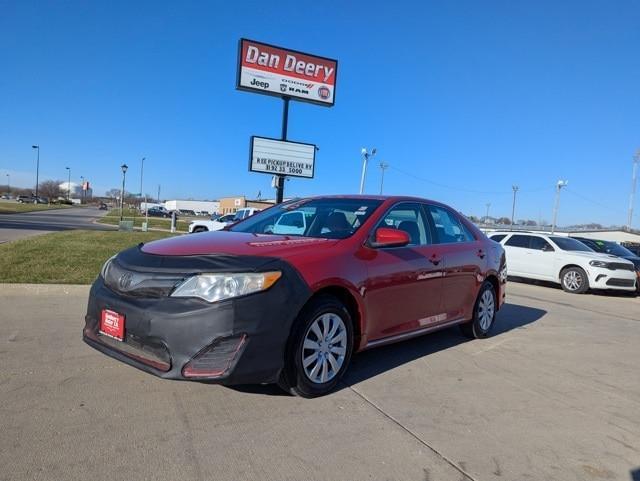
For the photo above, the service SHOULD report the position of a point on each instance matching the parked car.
(615, 249)
(24, 199)
(187, 212)
(246, 306)
(565, 261)
(103, 206)
(158, 212)
(215, 224)
(5, 197)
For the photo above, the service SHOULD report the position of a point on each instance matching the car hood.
(236, 243)
(595, 256)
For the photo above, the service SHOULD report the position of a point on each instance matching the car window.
(408, 217)
(569, 244)
(498, 237)
(448, 227)
(540, 244)
(518, 240)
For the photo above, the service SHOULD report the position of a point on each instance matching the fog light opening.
(216, 359)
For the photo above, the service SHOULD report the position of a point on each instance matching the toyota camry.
(288, 295)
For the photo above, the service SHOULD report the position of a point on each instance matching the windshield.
(327, 218)
(569, 244)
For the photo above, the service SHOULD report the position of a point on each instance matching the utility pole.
(68, 182)
(365, 158)
(158, 193)
(513, 209)
(486, 217)
(634, 175)
(37, 147)
(559, 185)
(82, 189)
(141, 171)
(383, 166)
(124, 168)
(9, 185)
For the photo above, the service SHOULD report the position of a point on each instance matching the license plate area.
(112, 324)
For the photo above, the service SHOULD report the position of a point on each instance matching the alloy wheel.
(573, 280)
(324, 348)
(486, 310)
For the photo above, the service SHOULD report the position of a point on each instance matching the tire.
(484, 313)
(309, 372)
(199, 229)
(574, 280)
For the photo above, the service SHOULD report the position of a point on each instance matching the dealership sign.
(281, 157)
(271, 70)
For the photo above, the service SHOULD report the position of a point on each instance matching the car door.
(515, 248)
(463, 259)
(541, 256)
(402, 292)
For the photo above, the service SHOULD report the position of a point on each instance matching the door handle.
(480, 254)
(434, 259)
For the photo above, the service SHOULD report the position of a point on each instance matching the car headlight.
(105, 267)
(599, 264)
(217, 287)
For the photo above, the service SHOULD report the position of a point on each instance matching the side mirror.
(386, 237)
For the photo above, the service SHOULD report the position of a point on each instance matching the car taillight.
(216, 359)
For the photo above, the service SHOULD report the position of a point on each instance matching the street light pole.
(9, 185)
(82, 189)
(158, 193)
(486, 217)
(68, 182)
(37, 147)
(124, 168)
(513, 209)
(365, 158)
(559, 185)
(634, 175)
(141, 172)
(383, 166)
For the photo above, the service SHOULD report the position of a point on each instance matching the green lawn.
(15, 208)
(70, 257)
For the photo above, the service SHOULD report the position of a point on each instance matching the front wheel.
(319, 349)
(484, 313)
(200, 229)
(574, 280)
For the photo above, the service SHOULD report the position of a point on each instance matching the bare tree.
(50, 189)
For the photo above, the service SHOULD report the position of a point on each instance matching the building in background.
(209, 206)
(230, 205)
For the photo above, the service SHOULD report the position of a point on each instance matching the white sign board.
(279, 157)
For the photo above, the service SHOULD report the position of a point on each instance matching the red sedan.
(289, 294)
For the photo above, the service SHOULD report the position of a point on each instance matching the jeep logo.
(259, 83)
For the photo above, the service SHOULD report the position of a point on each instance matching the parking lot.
(554, 394)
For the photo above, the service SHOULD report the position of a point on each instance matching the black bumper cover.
(171, 331)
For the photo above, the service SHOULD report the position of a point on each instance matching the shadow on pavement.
(380, 360)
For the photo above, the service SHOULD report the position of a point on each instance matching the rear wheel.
(574, 280)
(484, 313)
(319, 349)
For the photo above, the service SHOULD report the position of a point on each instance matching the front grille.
(621, 266)
(621, 282)
(146, 351)
(139, 284)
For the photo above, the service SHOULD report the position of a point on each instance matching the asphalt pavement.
(23, 225)
(553, 395)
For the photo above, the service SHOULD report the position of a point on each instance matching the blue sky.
(462, 99)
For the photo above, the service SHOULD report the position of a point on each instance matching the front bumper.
(244, 337)
(612, 279)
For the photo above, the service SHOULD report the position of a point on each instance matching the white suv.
(221, 222)
(565, 261)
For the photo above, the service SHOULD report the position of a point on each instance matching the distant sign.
(271, 156)
(271, 70)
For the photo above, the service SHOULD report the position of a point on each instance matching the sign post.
(289, 74)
